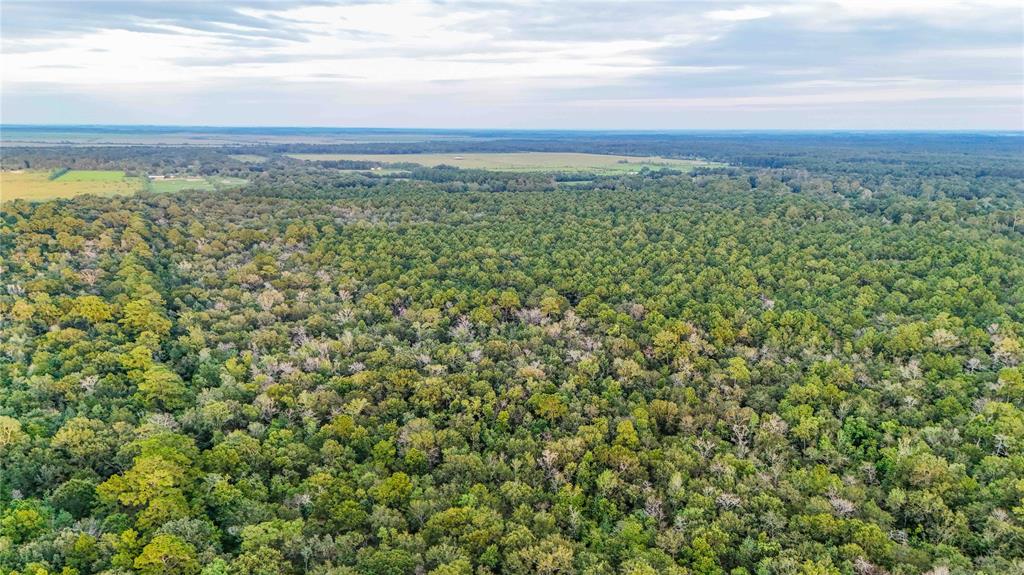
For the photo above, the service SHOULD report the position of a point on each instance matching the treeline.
(136, 159)
(58, 173)
(917, 154)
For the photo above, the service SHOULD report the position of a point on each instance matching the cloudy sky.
(807, 64)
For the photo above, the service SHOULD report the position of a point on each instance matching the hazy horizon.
(493, 129)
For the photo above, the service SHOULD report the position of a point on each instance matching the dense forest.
(808, 362)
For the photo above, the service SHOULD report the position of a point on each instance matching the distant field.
(36, 185)
(171, 185)
(225, 182)
(92, 176)
(521, 161)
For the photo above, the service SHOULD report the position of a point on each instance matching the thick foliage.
(724, 373)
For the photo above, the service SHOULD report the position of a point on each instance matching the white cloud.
(376, 43)
(739, 14)
(797, 100)
(983, 14)
(373, 57)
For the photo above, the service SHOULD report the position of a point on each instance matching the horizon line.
(512, 130)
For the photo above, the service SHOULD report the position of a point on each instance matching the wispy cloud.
(524, 64)
(870, 94)
(739, 14)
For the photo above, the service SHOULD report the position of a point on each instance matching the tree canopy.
(752, 370)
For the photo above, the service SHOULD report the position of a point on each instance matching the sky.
(802, 64)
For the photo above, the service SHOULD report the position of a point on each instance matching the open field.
(171, 185)
(221, 182)
(82, 176)
(522, 161)
(37, 185)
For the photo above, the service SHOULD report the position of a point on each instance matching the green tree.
(167, 555)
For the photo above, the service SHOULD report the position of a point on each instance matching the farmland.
(37, 185)
(522, 161)
(171, 185)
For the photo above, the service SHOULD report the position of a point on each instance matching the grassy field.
(221, 182)
(37, 185)
(92, 176)
(523, 161)
(171, 185)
